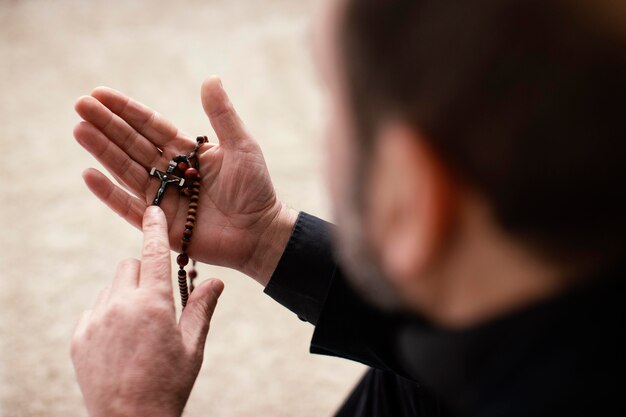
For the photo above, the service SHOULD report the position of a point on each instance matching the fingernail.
(219, 80)
(152, 211)
(217, 287)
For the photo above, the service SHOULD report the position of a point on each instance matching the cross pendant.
(166, 179)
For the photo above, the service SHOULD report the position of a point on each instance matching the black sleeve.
(306, 269)
(309, 282)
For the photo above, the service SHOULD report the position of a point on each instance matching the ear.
(410, 203)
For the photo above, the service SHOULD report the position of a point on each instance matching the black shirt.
(563, 357)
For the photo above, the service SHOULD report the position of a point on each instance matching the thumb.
(196, 317)
(228, 126)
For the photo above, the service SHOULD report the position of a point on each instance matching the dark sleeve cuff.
(308, 282)
(304, 273)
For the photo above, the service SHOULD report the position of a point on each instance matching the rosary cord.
(191, 174)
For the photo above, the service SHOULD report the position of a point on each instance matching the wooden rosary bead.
(193, 274)
(182, 259)
(187, 233)
(194, 205)
(194, 198)
(189, 225)
(191, 173)
(182, 166)
(191, 218)
(192, 212)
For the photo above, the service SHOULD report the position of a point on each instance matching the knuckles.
(152, 223)
(128, 266)
(153, 305)
(128, 263)
(122, 316)
(75, 346)
(156, 248)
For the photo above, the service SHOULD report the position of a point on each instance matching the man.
(475, 164)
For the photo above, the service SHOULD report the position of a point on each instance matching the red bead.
(191, 173)
(182, 259)
(183, 166)
(193, 274)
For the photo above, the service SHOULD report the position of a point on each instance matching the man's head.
(476, 153)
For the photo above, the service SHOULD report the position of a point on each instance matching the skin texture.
(419, 240)
(237, 199)
(131, 356)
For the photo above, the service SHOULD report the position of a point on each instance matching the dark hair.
(523, 99)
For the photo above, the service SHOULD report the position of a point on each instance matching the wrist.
(271, 244)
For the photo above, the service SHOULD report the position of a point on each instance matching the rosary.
(183, 172)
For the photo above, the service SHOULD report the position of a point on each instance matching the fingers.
(102, 299)
(196, 317)
(126, 277)
(141, 118)
(155, 262)
(117, 131)
(82, 324)
(115, 160)
(128, 207)
(228, 126)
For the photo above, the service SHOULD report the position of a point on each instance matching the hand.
(130, 355)
(240, 224)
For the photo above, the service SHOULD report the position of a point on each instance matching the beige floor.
(59, 245)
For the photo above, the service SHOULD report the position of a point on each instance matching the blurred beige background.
(59, 245)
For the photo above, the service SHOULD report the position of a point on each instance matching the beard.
(360, 263)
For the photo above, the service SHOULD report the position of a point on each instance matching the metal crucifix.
(166, 179)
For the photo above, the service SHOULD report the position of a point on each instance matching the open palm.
(237, 200)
